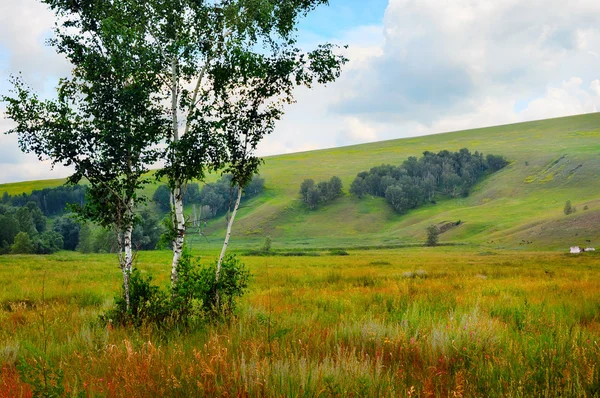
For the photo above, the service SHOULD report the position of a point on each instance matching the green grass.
(17, 188)
(450, 321)
(552, 161)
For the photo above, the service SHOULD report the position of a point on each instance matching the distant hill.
(521, 206)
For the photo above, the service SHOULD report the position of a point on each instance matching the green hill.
(521, 206)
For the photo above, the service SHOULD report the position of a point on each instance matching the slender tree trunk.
(124, 269)
(179, 234)
(229, 226)
(179, 186)
(126, 251)
(177, 190)
(226, 242)
(127, 245)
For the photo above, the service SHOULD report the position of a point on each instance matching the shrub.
(23, 244)
(195, 294)
(568, 209)
(433, 235)
(267, 245)
(338, 252)
(193, 299)
(44, 378)
(148, 304)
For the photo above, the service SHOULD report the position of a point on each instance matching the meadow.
(445, 321)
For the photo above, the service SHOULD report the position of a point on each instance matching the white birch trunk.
(177, 193)
(126, 251)
(127, 245)
(123, 264)
(229, 226)
(179, 234)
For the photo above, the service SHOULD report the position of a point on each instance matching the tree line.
(25, 214)
(433, 176)
(25, 230)
(214, 198)
(51, 201)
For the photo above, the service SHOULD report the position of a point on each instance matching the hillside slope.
(521, 206)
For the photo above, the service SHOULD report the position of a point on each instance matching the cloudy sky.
(417, 67)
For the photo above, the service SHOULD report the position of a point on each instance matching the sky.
(416, 67)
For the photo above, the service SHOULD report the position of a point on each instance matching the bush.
(267, 245)
(194, 298)
(338, 252)
(147, 303)
(195, 294)
(569, 209)
(433, 235)
(23, 244)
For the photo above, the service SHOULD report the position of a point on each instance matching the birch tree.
(203, 61)
(252, 90)
(229, 66)
(106, 119)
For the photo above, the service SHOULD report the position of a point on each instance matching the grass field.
(503, 312)
(447, 321)
(552, 161)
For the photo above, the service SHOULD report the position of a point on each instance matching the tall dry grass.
(438, 322)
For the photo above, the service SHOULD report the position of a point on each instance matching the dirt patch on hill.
(446, 226)
(578, 229)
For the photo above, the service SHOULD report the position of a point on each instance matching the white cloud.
(360, 131)
(443, 58)
(568, 99)
(595, 87)
(18, 166)
(24, 27)
(433, 66)
(438, 66)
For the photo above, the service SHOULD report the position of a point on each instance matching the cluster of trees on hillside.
(325, 191)
(146, 235)
(214, 199)
(24, 230)
(418, 181)
(22, 215)
(51, 201)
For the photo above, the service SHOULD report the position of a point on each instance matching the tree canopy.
(418, 181)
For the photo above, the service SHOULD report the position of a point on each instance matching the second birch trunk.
(226, 241)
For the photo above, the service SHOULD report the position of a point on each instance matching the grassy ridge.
(409, 322)
(544, 172)
(551, 161)
(17, 188)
